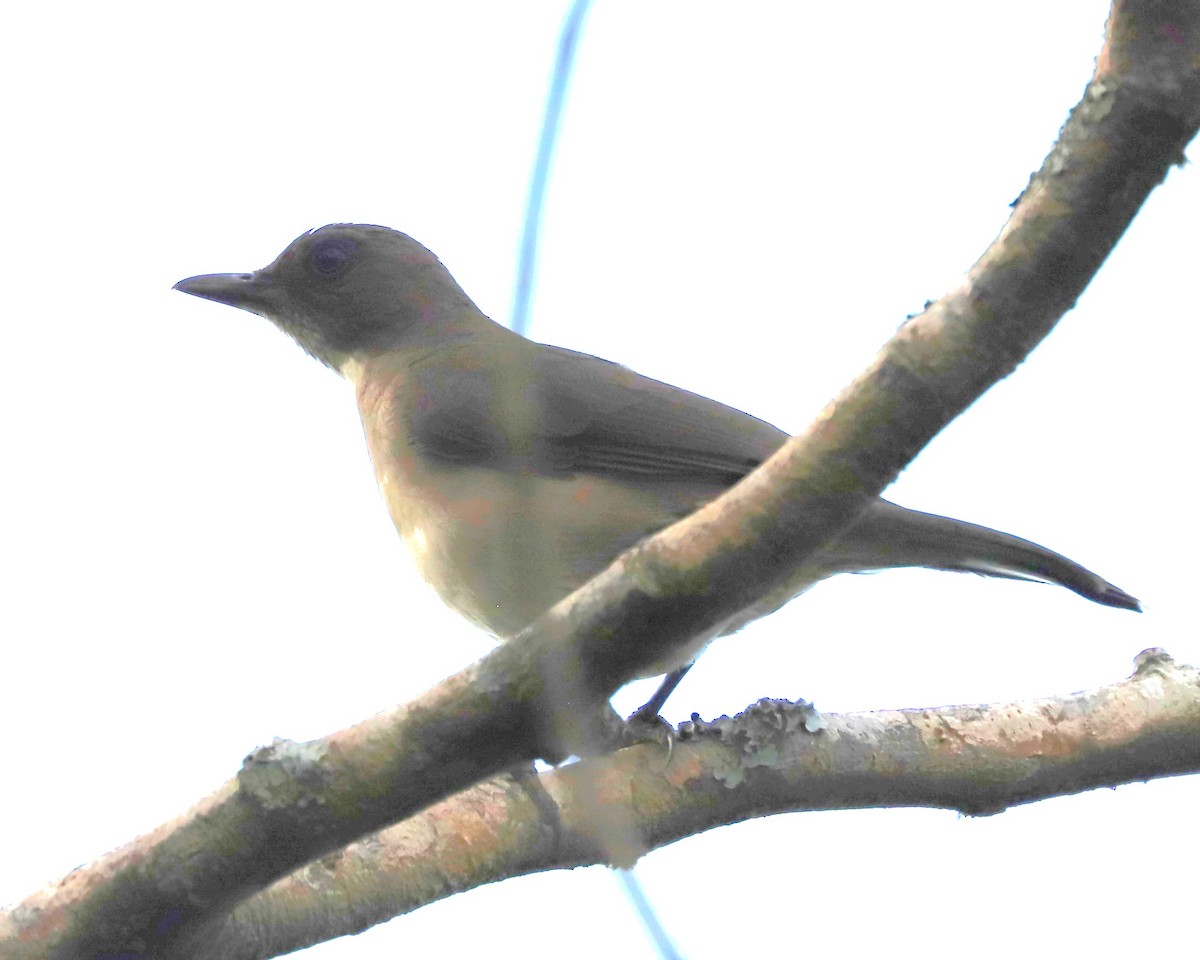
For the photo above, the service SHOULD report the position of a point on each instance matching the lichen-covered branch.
(973, 759)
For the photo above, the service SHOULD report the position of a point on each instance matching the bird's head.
(347, 291)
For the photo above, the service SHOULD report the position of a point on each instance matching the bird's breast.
(501, 544)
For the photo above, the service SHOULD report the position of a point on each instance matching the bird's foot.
(645, 726)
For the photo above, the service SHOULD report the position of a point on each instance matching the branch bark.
(293, 803)
(977, 760)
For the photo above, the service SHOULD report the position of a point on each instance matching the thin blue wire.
(641, 903)
(541, 166)
(520, 321)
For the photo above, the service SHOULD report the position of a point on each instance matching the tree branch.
(973, 759)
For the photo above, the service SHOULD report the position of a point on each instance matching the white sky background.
(744, 202)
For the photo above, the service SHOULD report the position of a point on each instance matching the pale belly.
(501, 549)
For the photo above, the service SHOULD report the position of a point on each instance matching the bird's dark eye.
(332, 255)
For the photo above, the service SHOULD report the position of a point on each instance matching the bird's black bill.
(247, 291)
(1113, 596)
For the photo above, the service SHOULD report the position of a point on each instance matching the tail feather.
(913, 539)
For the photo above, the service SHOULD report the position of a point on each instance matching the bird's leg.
(526, 777)
(649, 711)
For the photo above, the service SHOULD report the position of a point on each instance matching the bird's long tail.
(915, 539)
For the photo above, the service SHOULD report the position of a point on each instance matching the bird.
(515, 471)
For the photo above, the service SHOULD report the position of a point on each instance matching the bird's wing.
(560, 413)
(601, 418)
